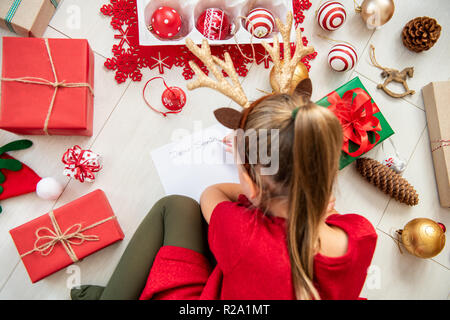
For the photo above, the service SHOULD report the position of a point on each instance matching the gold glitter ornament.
(423, 237)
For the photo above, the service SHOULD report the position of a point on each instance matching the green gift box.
(363, 124)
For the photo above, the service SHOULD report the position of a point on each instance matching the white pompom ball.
(49, 189)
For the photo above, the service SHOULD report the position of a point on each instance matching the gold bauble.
(375, 13)
(300, 73)
(423, 237)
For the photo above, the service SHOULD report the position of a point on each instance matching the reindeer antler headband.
(284, 71)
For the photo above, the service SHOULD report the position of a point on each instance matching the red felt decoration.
(165, 22)
(129, 57)
(18, 182)
(214, 24)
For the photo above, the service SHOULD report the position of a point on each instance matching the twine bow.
(45, 243)
(81, 164)
(357, 119)
(55, 84)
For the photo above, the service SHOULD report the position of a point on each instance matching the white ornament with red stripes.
(342, 57)
(260, 22)
(331, 15)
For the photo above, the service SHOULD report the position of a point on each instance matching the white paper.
(187, 167)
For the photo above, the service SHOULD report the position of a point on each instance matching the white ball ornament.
(260, 22)
(331, 15)
(342, 57)
(49, 189)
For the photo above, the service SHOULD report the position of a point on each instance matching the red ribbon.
(357, 119)
(73, 158)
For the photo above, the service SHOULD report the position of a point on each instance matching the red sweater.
(253, 260)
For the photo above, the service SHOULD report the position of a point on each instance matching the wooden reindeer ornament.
(284, 71)
(393, 75)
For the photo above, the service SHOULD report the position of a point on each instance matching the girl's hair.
(309, 149)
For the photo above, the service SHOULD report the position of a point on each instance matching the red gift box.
(67, 234)
(33, 101)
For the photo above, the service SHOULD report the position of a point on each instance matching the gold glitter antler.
(284, 70)
(233, 91)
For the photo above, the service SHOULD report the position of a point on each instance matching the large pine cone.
(387, 180)
(421, 34)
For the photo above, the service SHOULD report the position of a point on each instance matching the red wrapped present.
(66, 235)
(47, 86)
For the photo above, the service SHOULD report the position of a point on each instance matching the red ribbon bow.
(83, 167)
(357, 119)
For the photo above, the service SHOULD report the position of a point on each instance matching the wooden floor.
(126, 131)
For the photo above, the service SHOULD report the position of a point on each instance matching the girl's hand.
(228, 142)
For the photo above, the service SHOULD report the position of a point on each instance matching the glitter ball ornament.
(214, 24)
(165, 22)
(300, 73)
(260, 22)
(342, 57)
(331, 15)
(173, 98)
(423, 237)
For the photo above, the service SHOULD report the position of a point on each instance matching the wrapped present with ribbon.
(81, 164)
(363, 125)
(66, 235)
(435, 98)
(47, 86)
(27, 18)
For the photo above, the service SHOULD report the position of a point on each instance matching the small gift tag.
(81, 164)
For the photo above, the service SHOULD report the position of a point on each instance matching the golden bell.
(375, 13)
(423, 237)
(300, 73)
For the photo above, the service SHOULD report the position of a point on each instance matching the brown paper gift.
(436, 96)
(27, 18)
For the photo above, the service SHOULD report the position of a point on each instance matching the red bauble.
(165, 22)
(174, 98)
(214, 24)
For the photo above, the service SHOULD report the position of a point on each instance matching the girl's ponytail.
(316, 149)
(310, 141)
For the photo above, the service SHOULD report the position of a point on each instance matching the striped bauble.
(260, 22)
(331, 15)
(342, 57)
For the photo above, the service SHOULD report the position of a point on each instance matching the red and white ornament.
(214, 24)
(331, 15)
(260, 22)
(395, 163)
(173, 98)
(165, 22)
(342, 57)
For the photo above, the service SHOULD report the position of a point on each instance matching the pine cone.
(421, 34)
(387, 180)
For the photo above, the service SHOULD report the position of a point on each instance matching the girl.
(271, 237)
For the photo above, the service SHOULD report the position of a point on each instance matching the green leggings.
(173, 221)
